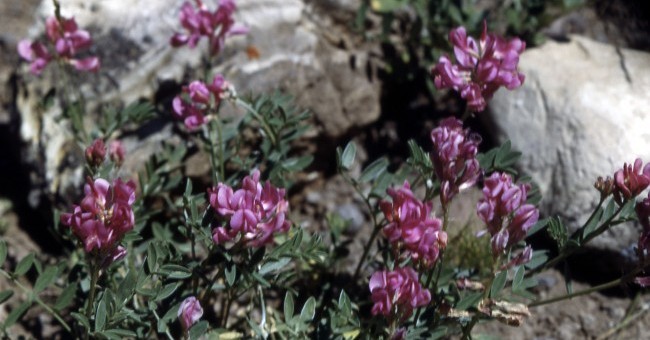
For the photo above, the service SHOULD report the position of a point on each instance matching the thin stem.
(94, 277)
(269, 132)
(226, 310)
(600, 287)
(38, 300)
(222, 171)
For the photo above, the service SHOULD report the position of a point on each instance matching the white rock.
(582, 113)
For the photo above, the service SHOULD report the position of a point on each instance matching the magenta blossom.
(189, 312)
(643, 214)
(631, 180)
(102, 218)
(454, 157)
(397, 293)
(201, 22)
(66, 40)
(255, 212)
(199, 99)
(481, 68)
(116, 152)
(504, 210)
(96, 153)
(410, 226)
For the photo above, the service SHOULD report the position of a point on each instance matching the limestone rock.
(582, 113)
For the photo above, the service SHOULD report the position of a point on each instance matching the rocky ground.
(338, 80)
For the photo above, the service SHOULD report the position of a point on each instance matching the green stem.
(38, 301)
(222, 171)
(366, 249)
(94, 277)
(610, 284)
(577, 234)
(265, 126)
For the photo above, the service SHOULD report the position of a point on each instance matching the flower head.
(116, 152)
(481, 67)
(454, 157)
(643, 214)
(397, 293)
(104, 215)
(201, 22)
(410, 226)
(96, 153)
(504, 210)
(255, 212)
(197, 99)
(189, 312)
(66, 40)
(631, 180)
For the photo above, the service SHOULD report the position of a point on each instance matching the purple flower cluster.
(96, 152)
(200, 97)
(504, 210)
(643, 214)
(411, 227)
(255, 212)
(189, 312)
(67, 40)
(102, 218)
(481, 68)
(454, 157)
(397, 293)
(201, 22)
(631, 180)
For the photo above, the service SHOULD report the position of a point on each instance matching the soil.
(594, 316)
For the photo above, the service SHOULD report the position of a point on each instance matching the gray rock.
(582, 113)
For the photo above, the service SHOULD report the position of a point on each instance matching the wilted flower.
(200, 97)
(604, 186)
(411, 227)
(397, 293)
(66, 39)
(189, 312)
(102, 218)
(631, 180)
(454, 157)
(215, 25)
(481, 68)
(255, 212)
(96, 153)
(504, 210)
(116, 152)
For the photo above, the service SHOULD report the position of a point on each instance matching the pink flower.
(631, 180)
(504, 210)
(102, 218)
(189, 312)
(481, 68)
(397, 293)
(411, 227)
(255, 212)
(643, 214)
(201, 98)
(96, 153)
(66, 40)
(216, 26)
(116, 152)
(454, 157)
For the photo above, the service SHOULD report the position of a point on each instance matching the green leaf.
(470, 300)
(231, 274)
(152, 257)
(45, 279)
(592, 224)
(297, 164)
(308, 310)
(273, 266)
(198, 329)
(83, 320)
(344, 303)
(16, 314)
(610, 209)
(558, 231)
(5, 295)
(127, 286)
(288, 306)
(3, 252)
(120, 333)
(100, 315)
(66, 296)
(348, 156)
(168, 290)
(24, 264)
(373, 170)
(539, 258)
(518, 278)
(498, 283)
(541, 224)
(627, 212)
